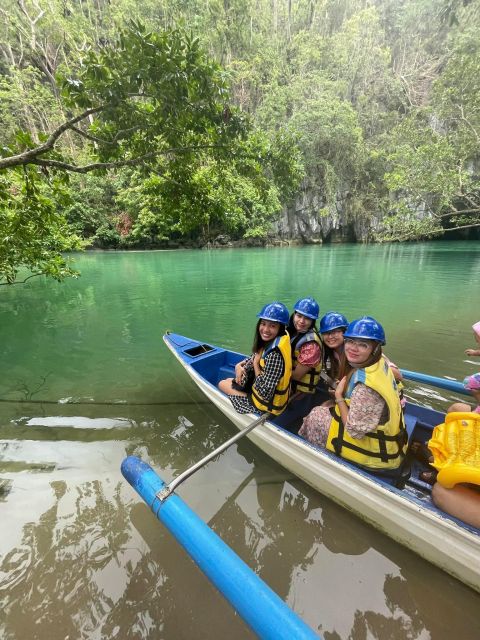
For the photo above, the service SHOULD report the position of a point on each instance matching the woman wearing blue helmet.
(366, 425)
(332, 327)
(262, 382)
(306, 346)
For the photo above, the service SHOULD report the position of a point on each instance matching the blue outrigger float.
(260, 607)
(405, 512)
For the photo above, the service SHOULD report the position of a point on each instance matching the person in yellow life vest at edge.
(262, 382)
(366, 425)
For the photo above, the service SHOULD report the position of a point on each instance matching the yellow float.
(455, 445)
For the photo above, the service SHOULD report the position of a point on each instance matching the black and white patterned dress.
(265, 384)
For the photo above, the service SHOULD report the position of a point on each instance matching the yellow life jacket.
(308, 383)
(282, 391)
(400, 385)
(455, 445)
(385, 446)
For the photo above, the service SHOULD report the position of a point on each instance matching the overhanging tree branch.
(434, 232)
(121, 133)
(88, 136)
(457, 212)
(58, 164)
(33, 275)
(27, 157)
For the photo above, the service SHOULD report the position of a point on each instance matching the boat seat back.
(410, 424)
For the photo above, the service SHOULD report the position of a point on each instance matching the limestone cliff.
(310, 221)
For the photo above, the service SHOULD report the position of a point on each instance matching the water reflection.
(5, 488)
(166, 588)
(51, 584)
(91, 561)
(351, 580)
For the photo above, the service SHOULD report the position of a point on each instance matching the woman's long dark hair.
(335, 365)
(259, 342)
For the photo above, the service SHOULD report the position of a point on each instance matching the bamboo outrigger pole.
(441, 383)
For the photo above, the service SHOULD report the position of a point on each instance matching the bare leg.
(226, 387)
(459, 406)
(461, 502)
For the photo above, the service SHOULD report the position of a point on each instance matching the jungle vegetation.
(126, 124)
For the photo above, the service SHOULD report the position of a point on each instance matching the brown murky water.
(86, 381)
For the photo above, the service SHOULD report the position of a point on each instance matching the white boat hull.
(435, 537)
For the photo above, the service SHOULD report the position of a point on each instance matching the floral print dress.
(367, 410)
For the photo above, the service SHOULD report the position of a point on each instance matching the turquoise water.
(99, 336)
(85, 380)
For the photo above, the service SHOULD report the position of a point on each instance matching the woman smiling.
(332, 327)
(366, 425)
(262, 382)
(306, 346)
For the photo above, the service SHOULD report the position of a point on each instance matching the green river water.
(85, 380)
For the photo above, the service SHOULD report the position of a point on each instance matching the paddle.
(441, 383)
(170, 488)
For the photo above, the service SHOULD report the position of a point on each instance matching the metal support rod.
(170, 488)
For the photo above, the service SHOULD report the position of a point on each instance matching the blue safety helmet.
(366, 327)
(276, 312)
(307, 307)
(333, 320)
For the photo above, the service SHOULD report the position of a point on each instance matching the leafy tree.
(152, 101)
(33, 231)
(382, 99)
(433, 154)
(92, 204)
(207, 197)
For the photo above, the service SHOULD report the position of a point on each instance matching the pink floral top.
(310, 354)
(367, 410)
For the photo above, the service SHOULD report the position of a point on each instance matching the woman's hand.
(256, 364)
(340, 389)
(472, 352)
(239, 372)
(331, 390)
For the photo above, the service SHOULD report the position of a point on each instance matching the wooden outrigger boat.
(406, 514)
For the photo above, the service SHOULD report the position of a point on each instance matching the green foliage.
(155, 91)
(456, 93)
(33, 231)
(432, 156)
(373, 105)
(25, 102)
(201, 197)
(155, 101)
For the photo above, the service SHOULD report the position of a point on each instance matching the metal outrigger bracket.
(171, 486)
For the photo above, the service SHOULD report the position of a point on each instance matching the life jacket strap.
(338, 442)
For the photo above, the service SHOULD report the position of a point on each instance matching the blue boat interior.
(214, 364)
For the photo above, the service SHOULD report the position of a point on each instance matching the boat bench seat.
(225, 372)
(410, 424)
